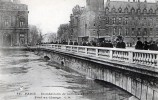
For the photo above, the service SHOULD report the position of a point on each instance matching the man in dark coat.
(153, 46)
(75, 43)
(70, 43)
(102, 44)
(93, 43)
(139, 45)
(121, 44)
(110, 44)
(145, 45)
(84, 43)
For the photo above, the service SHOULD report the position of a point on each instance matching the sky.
(49, 14)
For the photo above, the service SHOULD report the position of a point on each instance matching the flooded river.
(26, 76)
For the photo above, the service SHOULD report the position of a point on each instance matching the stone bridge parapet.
(135, 71)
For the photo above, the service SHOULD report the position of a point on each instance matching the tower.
(95, 5)
(16, 1)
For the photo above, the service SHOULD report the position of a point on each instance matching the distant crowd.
(151, 45)
(139, 45)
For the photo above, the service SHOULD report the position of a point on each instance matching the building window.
(126, 31)
(17, 7)
(120, 33)
(6, 23)
(113, 10)
(107, 30)
(139, 31)
(107, 20)
(139, 11)
(132, 10)
(126, 20)
(126, 10)
(144, 22)
(114, 31)
(157, 30)
(94, 24)
(133, 21)
(145, 31)
(94, 32)
(156, 20)
(21, 23)
(114, 20)
(120, 20)
(133, 31)
(107, 10)
(151, 11)
(151, 30)
(151, 22)
(145, 11)
(120, 10)
(156, 11)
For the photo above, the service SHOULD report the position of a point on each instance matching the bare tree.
(50, 37)
(63, 32)
(35, 35)
(53, 37)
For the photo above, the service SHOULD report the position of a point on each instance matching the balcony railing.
(141, 57)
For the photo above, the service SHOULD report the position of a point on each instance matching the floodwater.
(26, 76)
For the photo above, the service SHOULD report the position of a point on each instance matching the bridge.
(135, 71)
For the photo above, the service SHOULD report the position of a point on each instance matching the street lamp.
(98, 27)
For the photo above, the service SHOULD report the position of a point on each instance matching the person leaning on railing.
(145, 45)
(121, 44)
(110, 45)
(153, 46)
(75, 43)
(93, 43)
(139, 45)
(84, 43)
(70, 43)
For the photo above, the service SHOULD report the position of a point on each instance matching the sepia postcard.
(78, 50)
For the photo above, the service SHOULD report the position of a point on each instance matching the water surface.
(26, 76)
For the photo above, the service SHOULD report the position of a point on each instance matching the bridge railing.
(142, 57)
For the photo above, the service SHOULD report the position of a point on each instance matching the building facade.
(107, 20)
(75, 22)
(13, 23)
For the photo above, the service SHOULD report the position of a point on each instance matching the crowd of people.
(119, 43)
(151, 45)
(105, 43)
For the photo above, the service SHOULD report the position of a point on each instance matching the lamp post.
(98, 27)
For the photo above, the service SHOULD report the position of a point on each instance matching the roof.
(130, 5)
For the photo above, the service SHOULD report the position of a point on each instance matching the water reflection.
(25, 76)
